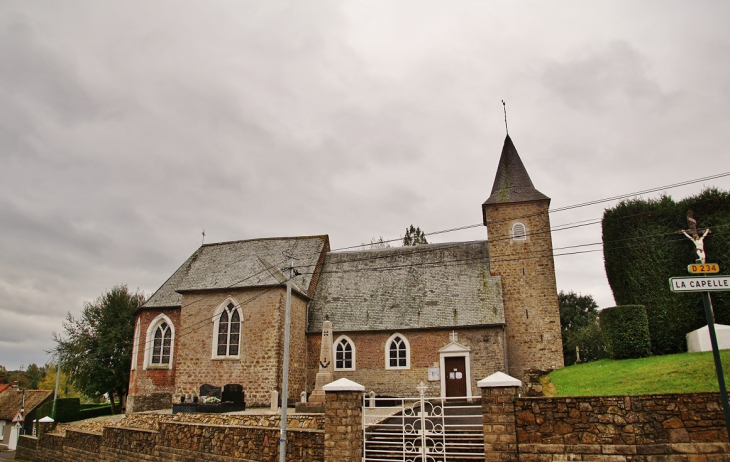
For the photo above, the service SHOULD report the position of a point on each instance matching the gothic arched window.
(344, 354)
(397, 353)
(227, 330)
(160, 343)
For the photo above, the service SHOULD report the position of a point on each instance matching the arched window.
(344, 354)
(519, 232)
(160, 342)
(227, 330)
(397, 352)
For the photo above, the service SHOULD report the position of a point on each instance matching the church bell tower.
(520, 252)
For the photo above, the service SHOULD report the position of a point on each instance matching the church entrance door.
(455, 376)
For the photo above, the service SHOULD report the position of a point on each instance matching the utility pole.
(55, 390)
(285, 374)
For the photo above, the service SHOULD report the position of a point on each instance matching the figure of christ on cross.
(694, 235)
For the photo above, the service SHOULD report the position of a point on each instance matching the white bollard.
(274, 401)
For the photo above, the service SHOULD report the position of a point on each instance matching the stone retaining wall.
(647, 428)
(189, 437)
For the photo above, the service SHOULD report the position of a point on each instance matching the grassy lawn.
(686, 372)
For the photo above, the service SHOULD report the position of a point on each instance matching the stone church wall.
(151, 389)
(485, 343)
(259, 368)
(529, 289)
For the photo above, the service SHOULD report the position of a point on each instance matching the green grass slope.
(680, 373)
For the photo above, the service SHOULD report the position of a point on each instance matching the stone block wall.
(81, 446)
(529, 289)
(128, 445)
(174, 440)
(487, 357)
(259, 368)
(629, 426)
(648, 428)
(343, 427)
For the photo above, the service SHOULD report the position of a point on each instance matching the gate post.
(498, 416)
(343, 437)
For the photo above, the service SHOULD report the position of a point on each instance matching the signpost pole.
(716, 355)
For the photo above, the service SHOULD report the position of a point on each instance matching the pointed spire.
(512, 183)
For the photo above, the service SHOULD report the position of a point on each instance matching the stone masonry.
(531, 311)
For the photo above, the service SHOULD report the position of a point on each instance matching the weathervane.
(694, 234)
(504, 106)
(203, 241)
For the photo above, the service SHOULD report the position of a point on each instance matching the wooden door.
(455, 376)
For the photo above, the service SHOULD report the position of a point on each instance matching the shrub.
(626, 331)
(67, 410)
(96, 411)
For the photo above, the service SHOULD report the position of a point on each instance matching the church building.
(447, 315)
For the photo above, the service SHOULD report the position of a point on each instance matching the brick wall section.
(152, 389)
(500, 439)
(343, 426)
(667, 427)
(259, 368)
(487, 357)
(530, 293)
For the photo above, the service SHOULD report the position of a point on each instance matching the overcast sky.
(128, 128)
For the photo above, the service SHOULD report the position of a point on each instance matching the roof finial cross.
(504, 106)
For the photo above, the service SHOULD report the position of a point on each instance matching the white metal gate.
(422, 429)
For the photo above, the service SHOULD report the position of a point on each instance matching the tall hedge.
(67, 410)
(642, 249)
(626, 331)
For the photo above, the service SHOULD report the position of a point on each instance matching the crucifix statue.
(694, 234)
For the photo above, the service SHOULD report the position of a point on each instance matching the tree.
(579, 327)
(379, 243)
(65, 388)
(414, 236)
(34, 374)
(96, 348)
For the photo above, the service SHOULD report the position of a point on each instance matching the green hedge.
(67, 410)
(626, 331)
(96, 411)
(642, 250)
(44, 410)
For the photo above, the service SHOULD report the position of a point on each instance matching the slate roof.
(427, 286)
(12, 400)
(240, 264)
(512, 183)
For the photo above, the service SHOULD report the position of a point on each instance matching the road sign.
(703, 268)
(700, 284)
(17, 418)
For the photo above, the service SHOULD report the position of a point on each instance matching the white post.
(274, 401)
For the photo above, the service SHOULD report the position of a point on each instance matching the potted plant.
(182, 395)
(195, 395)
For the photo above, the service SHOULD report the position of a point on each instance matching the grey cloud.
(601, 79)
